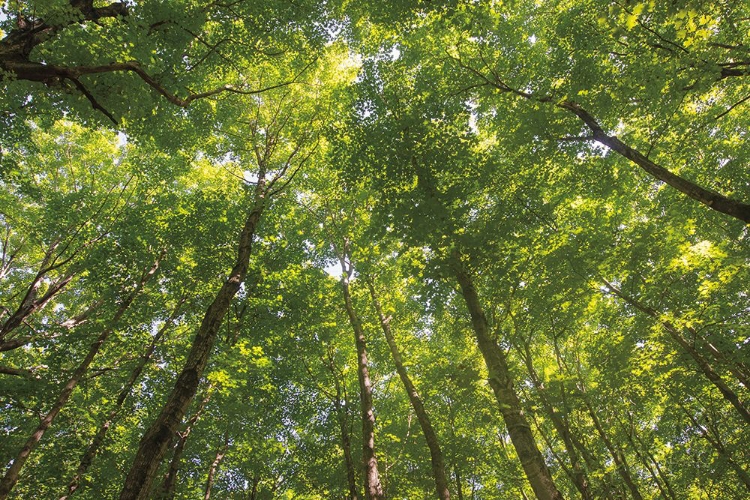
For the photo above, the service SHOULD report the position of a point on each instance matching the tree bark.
(373, 488)
(11, 476)
(711, 199)
(647, 459)
(501, 383)
(436, 455)
(154, 443)
(93, 449)
(220, 454)
(18, 372)
(720, 449)
(31, 302)
(169, 485)
(254, 490)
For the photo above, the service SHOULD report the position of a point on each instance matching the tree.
(532, 217)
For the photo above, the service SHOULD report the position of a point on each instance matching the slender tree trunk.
(711, 199)
(459, 486)
(169, 485)
(699, 359)
(735, 367)
(254, 490)
(51, 261)
(31, 304)
(619, 458)
(456, 468)
(127, 388)
(18, 372)
(646, 462)
(373, 488)
(634, 435)
(577, 473)
(591, 462)
(346, 442)
(220, 454)
(719, 448)
(155, 441)
(436, 455)
(501, 382)
(11, 476)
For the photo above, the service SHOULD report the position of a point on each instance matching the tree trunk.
(617, 456)
(169, 485)
(646, 459)
(634, 435)
(720, 449)
(31, 302)
(373, 488)
(220, 454)
(501, 382)
(699, 359)
(93, 449)
(254, 491)
(154, 443)
(346, 442)
(578, 472)
(711, 199)
(436, 455)
(11, 476)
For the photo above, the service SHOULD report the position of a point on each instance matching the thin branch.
(721, 115)
(7, 370)
(582, 138)
(94, 103)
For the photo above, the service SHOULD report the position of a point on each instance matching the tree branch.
(94, 103)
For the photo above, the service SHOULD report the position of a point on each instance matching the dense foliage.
(374, 249)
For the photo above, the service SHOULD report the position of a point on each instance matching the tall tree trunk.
(577, 472)
(540, 431)
(373, 488)
(31, 301)
(699, 359)
(346, 442)
(220, 454)
(710, 199)
(646, 459)
(436, 455)
(501, 382)
(127, 388)
(254, 490)
(456, 468)
(719, 448)
(156, 439)
(647, 453)
(589, 459)
(53, 260)
(168, 486)
(617, 456)
(11, 476)
(459, 486)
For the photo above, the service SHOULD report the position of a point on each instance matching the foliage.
(402, 138)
